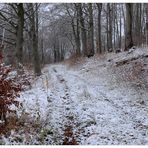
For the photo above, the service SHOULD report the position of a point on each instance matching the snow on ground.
(91, 101)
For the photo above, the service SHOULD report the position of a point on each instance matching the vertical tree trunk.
(114, 25)
(78, 37)
(140, 15)
(146, 25)
(42, 51)
(19, 34)
(120, 29)
(129, 15)
(78, 43)
(42, 46)
(110, 27)
(143, 24)
(91, 32)
(36, 60)
(99, 47)
(83, 30)
(55, 55)
(104, 43)
(117, 33)
(76, 29)
(107, 29)
(124, 23)
(58, 49)
(137, 28)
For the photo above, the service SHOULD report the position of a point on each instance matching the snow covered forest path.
(96, 109)
(87, 103)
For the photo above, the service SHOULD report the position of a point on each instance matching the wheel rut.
(69, 136)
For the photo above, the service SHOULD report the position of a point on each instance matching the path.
(92, 113)
(86, 105)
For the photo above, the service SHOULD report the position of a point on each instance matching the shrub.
(9, 91)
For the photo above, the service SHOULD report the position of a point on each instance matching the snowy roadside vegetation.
(98, 100)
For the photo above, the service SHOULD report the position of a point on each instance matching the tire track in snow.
(68, 94)
(119, 109)
(67, 115)
(123, 114)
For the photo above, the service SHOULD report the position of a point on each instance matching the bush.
(9, 91)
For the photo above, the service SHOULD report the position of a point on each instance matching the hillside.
(97, 100)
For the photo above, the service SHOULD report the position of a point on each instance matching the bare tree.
(128, 36)
(137, 29)
(83, 30)
(75, 27)
(34, 37)
(99, 7)
(19, 33)
(146, 25)
(90, 44)
(16, 27)
(109, 11)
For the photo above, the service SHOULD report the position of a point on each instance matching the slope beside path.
(87, 104)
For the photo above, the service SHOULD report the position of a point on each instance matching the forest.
(73, 73)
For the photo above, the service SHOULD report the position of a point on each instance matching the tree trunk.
(120, 28)
(129, 15)
(90, 32)
(137, 28)
(99, 47)
(77, 33)
(124, 23)
(110, 27)
(75, 29)
(78, 38)
(107, 29)
(146, 25)
(36, 60)
(19, 34)
(117, 33)
(114, 26)
(83, 30)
